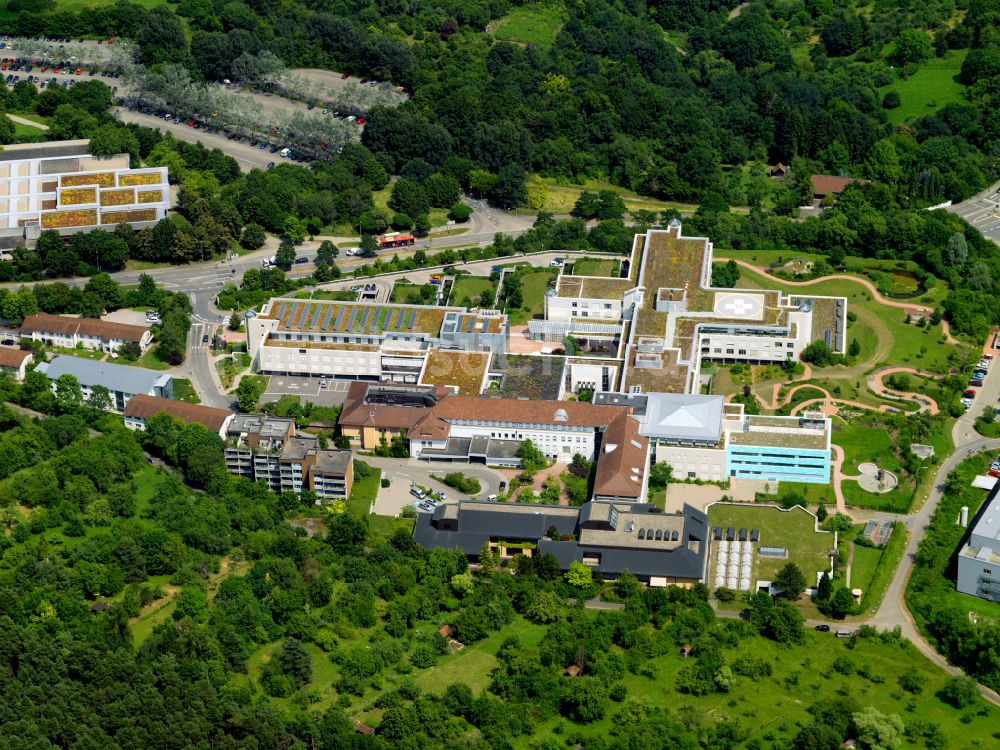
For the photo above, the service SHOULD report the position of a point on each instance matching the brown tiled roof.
(356, 413)
(622, 461)
(142, 406)
(577, 413)
(824, 184)
(61, 324)
(10, 357)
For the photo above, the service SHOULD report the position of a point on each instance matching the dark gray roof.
(479, 522)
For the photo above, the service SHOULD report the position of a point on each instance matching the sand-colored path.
(925, 403)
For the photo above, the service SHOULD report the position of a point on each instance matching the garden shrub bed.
(79, 218)
(76, 196)
(117, 197)
(139, 179)
(150, 196)
(103, 179)
(118, 217)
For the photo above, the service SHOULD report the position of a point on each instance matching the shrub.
(462, 483)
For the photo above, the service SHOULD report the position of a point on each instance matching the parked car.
(556, 263)
(300, 261)
(823, 628)
(417, 492)
(969, 393)
(345, 76)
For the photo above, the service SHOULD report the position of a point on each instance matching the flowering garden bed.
(139, 214)
(117, 197)
(152, 178)
(150, 196)
(104, 179)
(78, 218)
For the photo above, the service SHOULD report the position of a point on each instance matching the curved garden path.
(876, 295)
(926, 403)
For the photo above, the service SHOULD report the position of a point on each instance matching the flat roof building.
(123, 382)
(979, 559)
(365, 341)
(61, 186)
(268, 449)
(658, 548)
(656, 323)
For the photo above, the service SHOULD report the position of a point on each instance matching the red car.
(970, 393)
(345, 76)
(360, 121)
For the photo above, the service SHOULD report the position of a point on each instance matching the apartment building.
(491, 431)
(650, 328)
(659, 549)
(979, 559)
(60, 186)
(123, 382)
(268, 449)
(70, 331)
(363, 341)
(141, 408)
(702, 437)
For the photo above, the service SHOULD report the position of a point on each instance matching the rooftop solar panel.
(293, 313)
(326, 318)
(282, 308)
(470, 325)
(412, 319)
(376, 316)
(340, 318)
(364, 318)
(399, 318)
(354, 316)
(315, 317)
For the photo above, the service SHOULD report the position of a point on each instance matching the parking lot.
(402, 471)
(306, 388)
(983, 212)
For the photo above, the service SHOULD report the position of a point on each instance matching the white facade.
(690, 462)
(559, 442)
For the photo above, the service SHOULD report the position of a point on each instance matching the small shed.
(446, 631)
(572, 671)
(779, 171)
(97, 607)
(361, 728)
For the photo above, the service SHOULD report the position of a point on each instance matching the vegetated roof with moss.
(791, 439)
(593, 287)
(463, 370)
(345, 317)
(530, 376)
(669, 377)
(824, 318)
(671, 261)
(650, 323)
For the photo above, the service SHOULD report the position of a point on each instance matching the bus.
(395, 240)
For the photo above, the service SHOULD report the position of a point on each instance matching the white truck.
(285, 152)
(267, 262)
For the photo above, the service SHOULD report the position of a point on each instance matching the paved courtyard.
(306, 388)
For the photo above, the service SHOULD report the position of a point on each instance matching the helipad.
(739, 305)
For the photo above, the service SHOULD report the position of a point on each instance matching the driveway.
(982, 211)
(401, 471)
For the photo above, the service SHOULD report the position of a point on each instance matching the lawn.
(597, 267)
(930, 88)
(79, 351)
(534, 284)
(341, 295)
(403, 293)
(536, 24)
(898, 342)
(793, 529)
(562, 196)
(151, 361)
(232, 366)
(184, 391)
(872, 569)
(467, 290)
(26, 133)
(862, 443)
(363, 493)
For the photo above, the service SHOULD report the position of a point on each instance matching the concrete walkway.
(26, 121)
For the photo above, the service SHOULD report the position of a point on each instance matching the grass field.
(562, 196)
(471, 288)
(536, 24)
(26, 133)
(930, 88)
(363, 493)
(184, 391)
(793, 529)
(596, 267)
(534, 284)
(342, 295)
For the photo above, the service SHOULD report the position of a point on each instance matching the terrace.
(601, 267)
(531, 377)
(464, 371)
(669, 376)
